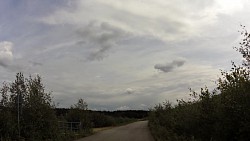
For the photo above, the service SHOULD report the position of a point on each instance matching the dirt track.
(137, 131)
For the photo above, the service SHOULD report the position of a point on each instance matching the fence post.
(71, 126)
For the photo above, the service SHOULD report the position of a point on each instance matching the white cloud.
(135, 35)
(6, 55)
(122, 108)
(129, 91)
(143, 107)
(162, 19)
(229, 7)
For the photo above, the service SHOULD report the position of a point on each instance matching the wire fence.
(69, 126)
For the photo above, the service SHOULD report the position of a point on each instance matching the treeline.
(27, 113)
(219, 115)
(108, 118)
(136, 114)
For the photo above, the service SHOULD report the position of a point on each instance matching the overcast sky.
(120, 54)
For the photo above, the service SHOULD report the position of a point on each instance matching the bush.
(220, 115)
(27, 98)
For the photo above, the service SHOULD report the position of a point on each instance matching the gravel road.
(137, 131)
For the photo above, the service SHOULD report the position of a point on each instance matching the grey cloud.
(70, 79)
(100, 53)
(36, 63)
(178, 63)
(101, 37)
(6, 55)
(169, 66)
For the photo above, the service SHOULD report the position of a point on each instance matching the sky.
(117, 54)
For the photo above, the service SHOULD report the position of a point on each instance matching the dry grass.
(95, 130)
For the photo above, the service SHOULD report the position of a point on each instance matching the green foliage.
(102, 120)
(41, 121)
(220, 115)
(79, 113)
(27, 98)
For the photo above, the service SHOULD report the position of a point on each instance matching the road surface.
(137, 131)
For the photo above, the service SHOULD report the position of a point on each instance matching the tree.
(29, 110)
(244, 48)
(7, 122)
(79, 113)
(81, 105)
(38, 108)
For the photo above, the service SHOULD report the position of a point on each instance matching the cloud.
(129, 91)
(6, 55)
(169, 66)
(161, 19)
(100, 30)
(139, 32)
(143, 106)
(100, 37)
(123, 108)
(33, 63)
